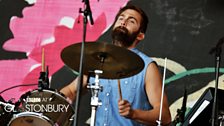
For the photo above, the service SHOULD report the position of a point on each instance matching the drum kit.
(48, 107)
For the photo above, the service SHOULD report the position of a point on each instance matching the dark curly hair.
(144, 20)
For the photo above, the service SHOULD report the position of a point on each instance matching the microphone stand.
(86, 12)
(181, 112)
(217, 50)
(217, 59)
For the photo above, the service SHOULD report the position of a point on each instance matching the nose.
(123, 23)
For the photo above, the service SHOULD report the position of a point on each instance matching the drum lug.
(72, 118)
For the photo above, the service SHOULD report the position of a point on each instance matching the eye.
(120, 18)
(132, 21)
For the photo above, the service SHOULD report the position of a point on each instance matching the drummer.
(140, 104)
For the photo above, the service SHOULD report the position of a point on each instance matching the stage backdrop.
(183, 31)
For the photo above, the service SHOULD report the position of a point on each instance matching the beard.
(122, 37)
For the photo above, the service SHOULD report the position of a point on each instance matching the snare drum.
(43, 108)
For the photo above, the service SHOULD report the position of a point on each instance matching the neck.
(131, 47)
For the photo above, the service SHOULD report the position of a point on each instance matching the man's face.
(126, 28)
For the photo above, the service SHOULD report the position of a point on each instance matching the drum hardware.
(72, 117)
(217, 50)
(95, 102)
(221, 119)
(30, 119)
(43, 82)
(23, 97)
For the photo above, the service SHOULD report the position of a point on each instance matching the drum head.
(30, 119)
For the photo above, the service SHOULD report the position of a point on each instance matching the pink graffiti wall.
(52, 25)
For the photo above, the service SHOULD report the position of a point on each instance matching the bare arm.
(153, 86)
(71, 89)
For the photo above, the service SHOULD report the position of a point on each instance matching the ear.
(140, 36)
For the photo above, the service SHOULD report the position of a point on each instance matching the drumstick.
(161, 100)
(43, 62)
(119, 89)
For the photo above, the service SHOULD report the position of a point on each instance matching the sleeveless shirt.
(133, 90)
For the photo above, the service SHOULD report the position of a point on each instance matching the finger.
(125, 112)
(122, 104)
(121, 101)
(124, 107)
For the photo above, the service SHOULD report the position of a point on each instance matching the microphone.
(88, 11)
(91, 18)
(47, 77)
(43, 80)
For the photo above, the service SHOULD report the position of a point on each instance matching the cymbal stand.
(87, 12)
(95, 102)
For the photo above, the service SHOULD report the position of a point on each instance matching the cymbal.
(115, 62)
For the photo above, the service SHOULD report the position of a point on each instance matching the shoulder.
(147, 60)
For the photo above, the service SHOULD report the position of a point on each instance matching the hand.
(69, 100)
(125, 108)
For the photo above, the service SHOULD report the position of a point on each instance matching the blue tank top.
(132, 89)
